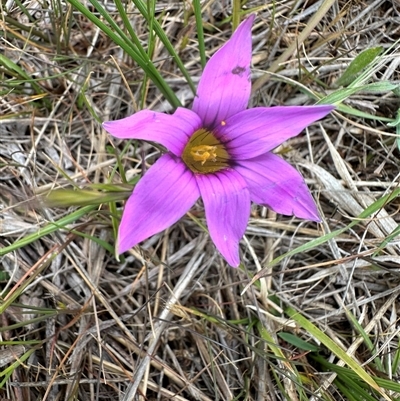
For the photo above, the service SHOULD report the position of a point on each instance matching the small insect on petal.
(238, 70)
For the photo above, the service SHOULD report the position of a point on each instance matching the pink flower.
(220, 151)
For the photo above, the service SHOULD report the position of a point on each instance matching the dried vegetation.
(170, 321)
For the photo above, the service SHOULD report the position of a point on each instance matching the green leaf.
(342, 94)
(298, 342)
(357, 65)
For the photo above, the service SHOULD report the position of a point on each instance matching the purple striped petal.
(276, 184)
(164, 194)
(172, 131)
(224, 87)
(227, 206)
(253, 132)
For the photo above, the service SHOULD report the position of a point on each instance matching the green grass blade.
(350, 394)
(19, 342)
(104, 244)
(374, 208)
(342, 94)
(343, 371)
(271, 344)
(367, 341)
(127, 24)
(24, 323)
(334, 348)
(119, 38)
(48, 229)
(167, 44)
(354, 112)
(25, 28)
(7, 372)
(396, 360)
(11, 66)
(200, 32)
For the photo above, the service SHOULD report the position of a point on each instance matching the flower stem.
(200, 33)
(236, 7)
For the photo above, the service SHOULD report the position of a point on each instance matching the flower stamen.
(204, 153)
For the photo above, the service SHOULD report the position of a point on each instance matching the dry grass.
(170, 321)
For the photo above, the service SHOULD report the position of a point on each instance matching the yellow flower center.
(204, 153)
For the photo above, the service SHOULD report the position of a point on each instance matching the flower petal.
(164, 194)
(172, 131)
(276, 184)
(253, 132)
(224, 87)
(227, 206)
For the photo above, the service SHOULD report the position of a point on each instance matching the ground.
(170, 320)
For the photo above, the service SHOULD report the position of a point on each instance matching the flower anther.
(204, 153)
